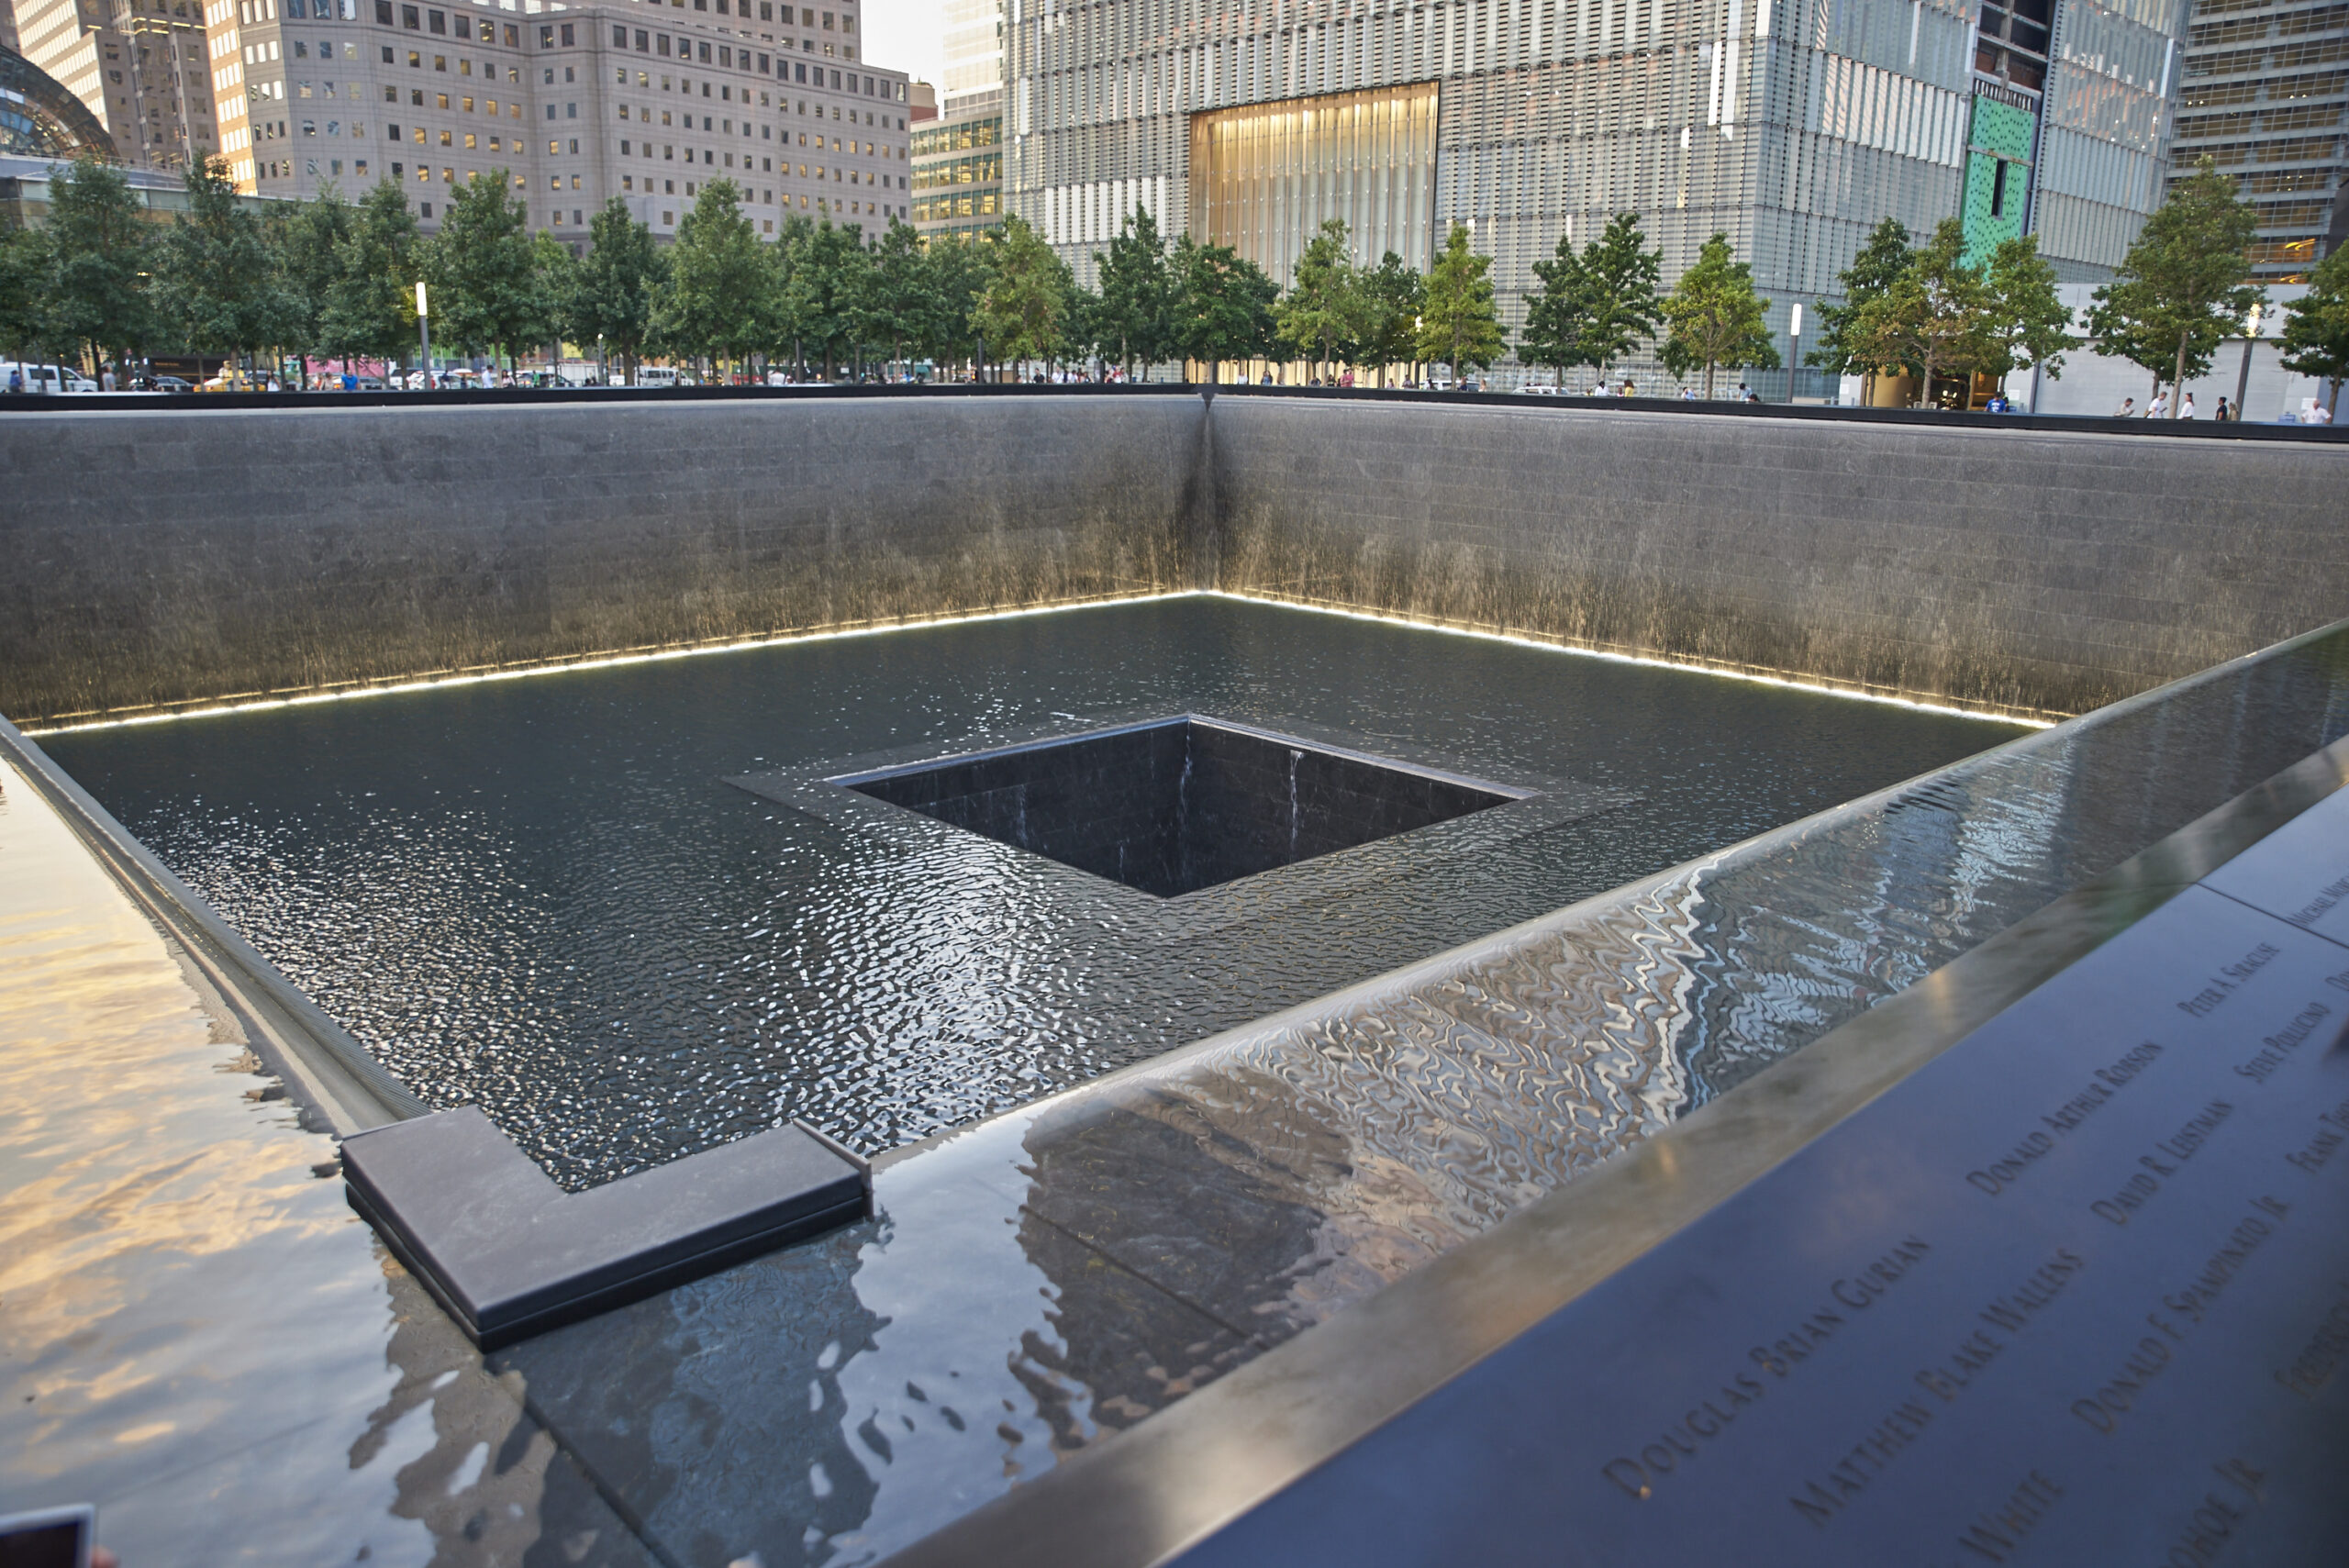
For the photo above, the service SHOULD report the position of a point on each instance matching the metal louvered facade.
(1792, 126)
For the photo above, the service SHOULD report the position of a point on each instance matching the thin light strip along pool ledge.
(396, 687)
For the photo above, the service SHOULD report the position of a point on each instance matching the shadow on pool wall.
(187, 557)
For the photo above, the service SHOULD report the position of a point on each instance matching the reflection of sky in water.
(538, 894)
(198, 1337)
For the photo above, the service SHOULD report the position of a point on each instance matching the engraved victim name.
(1709, 1417)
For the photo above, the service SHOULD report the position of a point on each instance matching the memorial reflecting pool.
(545, 895)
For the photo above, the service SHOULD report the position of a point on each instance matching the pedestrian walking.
(2128, 410)
(2223, 414)
(2186, 410)
(2159, 408)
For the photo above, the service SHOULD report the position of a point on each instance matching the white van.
(44, 378)
(656, 375)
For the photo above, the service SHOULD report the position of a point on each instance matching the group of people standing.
(2159, 409)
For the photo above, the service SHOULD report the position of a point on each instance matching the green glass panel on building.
(1998, 174)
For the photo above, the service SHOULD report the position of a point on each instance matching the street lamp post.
(424, 328)
(1794, 350)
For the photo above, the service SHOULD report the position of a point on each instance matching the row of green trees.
(335, 280)
(1926, 311)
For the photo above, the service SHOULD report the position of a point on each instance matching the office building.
(958, 173)
(139, 66)
(2265, 92)
(958, 160)
(1793, 126)
(576, 104)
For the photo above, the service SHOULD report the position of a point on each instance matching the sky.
(907, 36)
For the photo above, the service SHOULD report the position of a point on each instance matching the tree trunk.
(1708, 381)
(2177, 381)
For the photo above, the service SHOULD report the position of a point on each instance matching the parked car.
(173, 383)
(1530, 390)
(39, 378)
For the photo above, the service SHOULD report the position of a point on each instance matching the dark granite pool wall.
(2006, 570)
(180, 556)
(187, 555)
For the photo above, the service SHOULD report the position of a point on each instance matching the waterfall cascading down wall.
(190, 556)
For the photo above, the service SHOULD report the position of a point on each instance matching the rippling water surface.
(539, 894)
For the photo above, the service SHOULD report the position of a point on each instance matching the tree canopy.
(1716, 318)
(612, 292)
(1881, 261)
(1024, 307)
(2316, 327)
(216, 289)
(484, 270)
(2181, 291)
(1135, 323)
(1597, 307)
(98, 255)
(1459, 325)
(1323, 306)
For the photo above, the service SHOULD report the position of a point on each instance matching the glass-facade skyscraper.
(2266, 98)
(1793, 126)
(958, 158)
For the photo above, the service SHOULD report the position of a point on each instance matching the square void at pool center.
(639, 909)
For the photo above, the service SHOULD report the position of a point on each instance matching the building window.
(412, 19)
(567, 35)
(428, 209)
(437, 22)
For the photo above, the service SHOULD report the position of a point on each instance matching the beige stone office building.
(635, 99)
